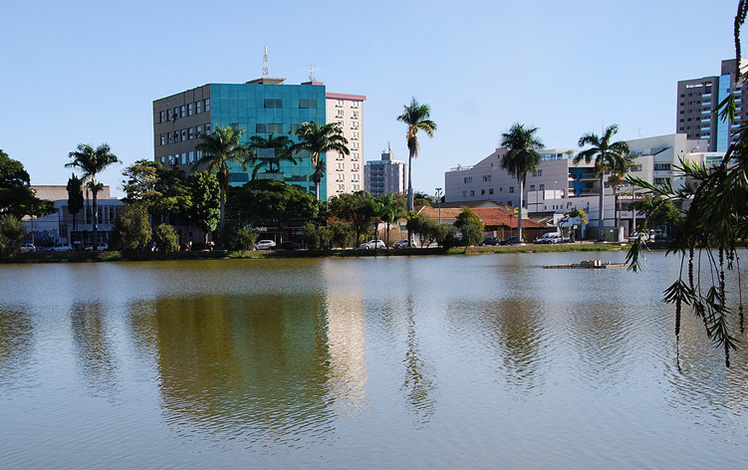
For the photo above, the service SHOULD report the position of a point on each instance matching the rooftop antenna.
(265, 67)
(312, 68)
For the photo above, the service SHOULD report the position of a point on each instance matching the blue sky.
(88, 71)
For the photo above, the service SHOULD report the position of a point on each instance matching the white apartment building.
(559, 185)
(386, 176)
(345, 173)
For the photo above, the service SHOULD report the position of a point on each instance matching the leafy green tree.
(16, 196)
(388, 210)
(269, 152)
(446, 235)
(471, 226)
(316, 236)
(273, 203)
(609, 157)
(166, 239)
(341, 233)
(220, 150)
(132, 229)
(75, 198)
(317, 140)
(240, 238)
(355, 208)
(11, 236)
(658, 210)
(416, 117)
(205, 197)
(91, 162)
(522, 158)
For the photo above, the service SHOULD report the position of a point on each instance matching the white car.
(374, 244)
(265, 245)
(550, 238)
(61, 247)
(27, 248)
(99, 247)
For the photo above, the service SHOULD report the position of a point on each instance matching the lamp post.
(439, 202)
(554, 189)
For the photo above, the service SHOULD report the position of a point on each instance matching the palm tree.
(388, 210)
(92, 162)
(220, 149)
(416, 117)
(616, 178)
(608, 157)
(317, 140)
(270, 151)
(522, 158)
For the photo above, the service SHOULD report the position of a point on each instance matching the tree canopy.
(17, 198)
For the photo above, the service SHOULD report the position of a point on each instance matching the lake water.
(449, 362)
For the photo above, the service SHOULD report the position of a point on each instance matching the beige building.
(345, 173)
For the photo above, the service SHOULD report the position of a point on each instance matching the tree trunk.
(222, 220)
(95, 215)
(601, 212)
(410, 188)
(519, 211)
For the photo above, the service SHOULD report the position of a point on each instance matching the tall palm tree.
(522, 158)
(608, 156)
(416, 117)
(220, 149)
(270, 151)
(92, 162)
(319, 139)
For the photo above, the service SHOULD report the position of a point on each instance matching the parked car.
(289, 245)
(265, 245)
(512, 241)
(61, 247)
(493, 241)
(374, 244)
(404, 244)
(27, 248)
(550, 238)
(99, 247)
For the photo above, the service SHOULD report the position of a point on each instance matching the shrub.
(240, 238)
(11, 236)
(166, 239)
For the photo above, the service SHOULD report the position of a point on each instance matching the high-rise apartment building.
(345, 173)
(698, 100)
(264, 107)
(385, 176)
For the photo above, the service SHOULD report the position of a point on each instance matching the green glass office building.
(260, 107)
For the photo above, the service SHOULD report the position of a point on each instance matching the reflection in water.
(16, 335)
(254, 366)
(518, 327)
(94, 348)
(419, 378)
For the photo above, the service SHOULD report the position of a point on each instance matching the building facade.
(263, 107)
(697, 103)
(345, 173)
(386, 176)
(560, 185)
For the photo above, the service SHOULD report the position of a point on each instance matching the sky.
(88, 71)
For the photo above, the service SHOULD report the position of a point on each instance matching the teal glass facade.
(723, 126)
(264, 109)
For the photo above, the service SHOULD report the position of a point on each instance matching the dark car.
(289, 245)
(511, 241)
(491, 241)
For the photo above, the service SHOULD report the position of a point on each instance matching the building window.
(468, 179)
(184, 158)
(355, 166)
(537, 173)
(207, 104)
(355, 135)
(207, 128)
(341, 187)
(511, 189)
(269, 128)
(176, 136)
(532, 187)
(273, 103)
(181, 111)
(161, 116)
(184, 135)
(163, 139)
(354, 114)
(542, 187)
(486, 178)
(199, 106)
(354, 156)
(199, 130)
(339, 113)
(169, 137)
(163, 159)
(175, 114)
(354, 124)
(662, 167)
(482, 192)
(490, 190)
(189, 109)
(472, 192)
(305, 103)
(192, 156)
(659, 181)
(191, 133)
(464, 194)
